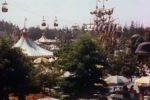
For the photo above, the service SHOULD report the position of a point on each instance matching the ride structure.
(104, 24)
(43, 22)
(30, 48)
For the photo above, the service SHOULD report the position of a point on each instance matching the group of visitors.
(144, 91)
(127, 94)
(131, 94)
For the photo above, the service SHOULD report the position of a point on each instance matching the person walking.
(126, 94)
(132, 93)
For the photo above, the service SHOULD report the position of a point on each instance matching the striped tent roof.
(43, 39)
(30, 48)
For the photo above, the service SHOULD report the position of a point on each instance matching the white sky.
(71, 12)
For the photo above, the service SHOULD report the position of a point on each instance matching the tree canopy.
(86, 63)
(15, 69)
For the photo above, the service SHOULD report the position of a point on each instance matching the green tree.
(15, 70)
(85, 61)
(45, 76)
(123, 64)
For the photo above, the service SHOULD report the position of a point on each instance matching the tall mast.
(103, 10)
(104, 24)
(103, 4)
(102, 15)
(25, 20)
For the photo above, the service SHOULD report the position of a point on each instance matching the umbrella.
(143, 81)
(119, 96)
(67, 74)
(117, 80)
(143, 48)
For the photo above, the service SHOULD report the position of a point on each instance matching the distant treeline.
(36, 33)
(66, 35)
(9, 28)
(63, 35)
(128, 31)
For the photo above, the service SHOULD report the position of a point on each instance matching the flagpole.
(25, 20)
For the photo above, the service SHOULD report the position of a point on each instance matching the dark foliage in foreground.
(15, 70)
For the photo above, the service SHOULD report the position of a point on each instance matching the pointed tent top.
(24, 32)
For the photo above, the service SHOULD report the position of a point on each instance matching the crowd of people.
(125, 93)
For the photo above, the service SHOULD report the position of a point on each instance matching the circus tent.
(30, 48)
(43, 39)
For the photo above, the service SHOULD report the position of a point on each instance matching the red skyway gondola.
(4, 7)
(43, 22)
(55, 22)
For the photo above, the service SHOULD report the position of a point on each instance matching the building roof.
(30, 48)
(143, 48)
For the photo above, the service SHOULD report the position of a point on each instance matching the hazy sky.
(71, 12)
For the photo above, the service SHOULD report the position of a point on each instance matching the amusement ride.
(104, 24)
